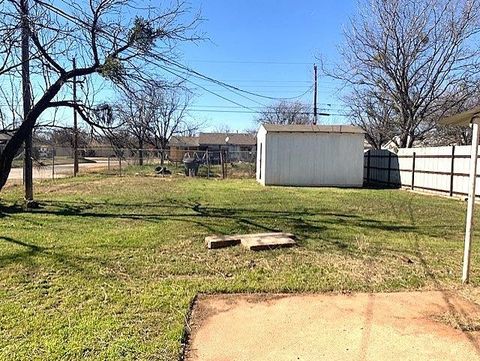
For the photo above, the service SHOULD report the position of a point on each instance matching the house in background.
(237, 146)
(179, 146)
(310, 155)
(233, 142)
(4, 138)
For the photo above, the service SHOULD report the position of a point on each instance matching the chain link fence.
(58, 162)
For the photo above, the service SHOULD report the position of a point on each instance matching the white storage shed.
(310, 155)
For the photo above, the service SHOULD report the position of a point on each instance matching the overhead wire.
(186, 70)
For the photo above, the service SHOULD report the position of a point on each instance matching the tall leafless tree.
(409, 55)
(132, 113)
(167, 114)
(286, 112)
(118, 41)
(374, 116)
(151, 115)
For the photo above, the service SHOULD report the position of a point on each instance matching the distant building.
(4, 138)
(179, 146)
(233, 142)
(238, 146)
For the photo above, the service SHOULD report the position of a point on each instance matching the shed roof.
(309, 128)
(464, 118)
(233, 138)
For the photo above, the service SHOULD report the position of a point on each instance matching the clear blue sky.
(266, 47)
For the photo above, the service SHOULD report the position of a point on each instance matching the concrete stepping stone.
(252, 241)
(214, 242)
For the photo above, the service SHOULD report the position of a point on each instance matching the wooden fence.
(436, 169)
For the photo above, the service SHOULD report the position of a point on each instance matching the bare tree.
(63, 137)
(409, 55)
(132, 113)
(374, 116)
(286, 112)
(107, 43)
(166, 114)
(222, 128)
(455, 135)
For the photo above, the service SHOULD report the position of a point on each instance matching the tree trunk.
(163, 146)
(410, 140)
(15, 143)
(140, 151)
(11, 150)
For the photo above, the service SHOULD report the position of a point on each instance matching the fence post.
(452, 170)
(368, 166)
(225, 162)
(221, 164)
(120, 165)
(208, 164)
(413, 170)
(53, 163)
(108, 164)
(389, 167)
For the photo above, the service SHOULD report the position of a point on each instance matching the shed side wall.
(314, 159)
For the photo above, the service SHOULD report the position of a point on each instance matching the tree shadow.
(457, 312)
(306, 224)
(31, 250)
(75, 263)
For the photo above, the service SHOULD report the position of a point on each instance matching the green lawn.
(108, 267)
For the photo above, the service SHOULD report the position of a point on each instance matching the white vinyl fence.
(437, 169)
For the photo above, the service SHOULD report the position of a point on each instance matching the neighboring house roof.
(367, 145)
(179, 141)
(233, 139)
(5, 136)
(95, 143)
(308, 128)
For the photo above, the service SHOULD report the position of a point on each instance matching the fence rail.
(436, 169)
(57, 162)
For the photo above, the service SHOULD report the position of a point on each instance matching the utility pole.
(75, 125)
(315, 95)
(26, 94)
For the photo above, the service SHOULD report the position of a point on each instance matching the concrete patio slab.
(387, 326)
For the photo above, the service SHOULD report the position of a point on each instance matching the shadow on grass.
(325, 230)
(248, 219)
(71, 262)
(31, 250)
(306, 224)
(456, 312)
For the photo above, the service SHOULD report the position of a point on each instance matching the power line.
(266, 62)
(231, 106)
(172, 62)
(228, 86)
(191, 72)
(267, 81)
(322, 112)
(209, 91)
